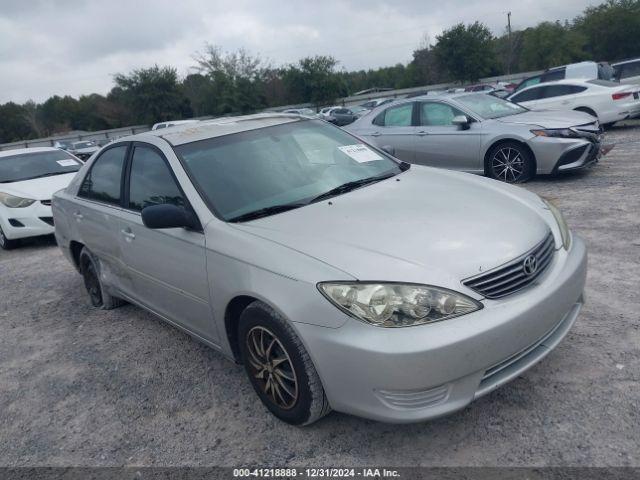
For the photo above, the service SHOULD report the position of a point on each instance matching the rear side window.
(528, 95)
(399, 116)
(151, 182)
(551, 91)
(104, 180)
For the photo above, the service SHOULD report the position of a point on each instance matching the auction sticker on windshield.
(360, 153)
(67, 163)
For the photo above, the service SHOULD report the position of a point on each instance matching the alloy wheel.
(508, 165)
(271, 365)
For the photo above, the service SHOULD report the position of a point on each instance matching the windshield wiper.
(347, 187)
(265, 212)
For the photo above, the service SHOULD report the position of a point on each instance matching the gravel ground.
(80, 386)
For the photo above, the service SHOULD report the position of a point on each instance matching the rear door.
(556, 97)
(395, 127)
(96, 212)
(168, 266)
(440, 143)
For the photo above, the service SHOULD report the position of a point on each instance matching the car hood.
(425, 225)
(38, 188)
(549, 118)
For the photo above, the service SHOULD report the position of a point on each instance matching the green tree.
(550, 44)
(466, 52)
(611, 30)
(151, 95)
(315, 80)
(14, 125)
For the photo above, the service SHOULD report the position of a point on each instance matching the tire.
(510, 162)
(5, 243)
(291, 389)
(98, 295)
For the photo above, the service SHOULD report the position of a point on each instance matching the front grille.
(513, 276)
(46, 202)
(48, 220)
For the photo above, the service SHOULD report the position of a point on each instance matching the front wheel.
(279, 367)
(510, 162)
(5, 243)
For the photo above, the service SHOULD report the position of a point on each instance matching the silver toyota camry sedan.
(341, 277)
(480, 133)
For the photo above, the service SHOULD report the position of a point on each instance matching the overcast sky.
(73, 47)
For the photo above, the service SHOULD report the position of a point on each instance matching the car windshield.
(26, 166)
(488, 106)
(291, 164)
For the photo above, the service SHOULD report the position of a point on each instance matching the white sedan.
(610, 102)
(28, 179)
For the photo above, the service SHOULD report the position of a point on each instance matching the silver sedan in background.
(320, 263)
(480, 133)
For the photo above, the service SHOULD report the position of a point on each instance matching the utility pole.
(510, 47)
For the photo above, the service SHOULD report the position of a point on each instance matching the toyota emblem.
(530, 265)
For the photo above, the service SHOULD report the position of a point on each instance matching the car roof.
(623, 62)
(565, 81)
(20, 151)
(192, 132)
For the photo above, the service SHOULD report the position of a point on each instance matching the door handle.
(422, 133)
(128, 234)
(375, 134)
(78, 216)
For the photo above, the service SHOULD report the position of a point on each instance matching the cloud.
(76, 46)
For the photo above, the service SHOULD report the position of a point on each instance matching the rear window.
(26, 166)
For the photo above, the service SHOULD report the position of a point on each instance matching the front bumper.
(31, 221)
(418, 373)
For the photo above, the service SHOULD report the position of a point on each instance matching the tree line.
(224, 83)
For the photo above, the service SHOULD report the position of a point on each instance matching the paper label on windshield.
(360, 153)
(67, 163)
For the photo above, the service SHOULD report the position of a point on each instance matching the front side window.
(27, 166)
(529, 82)
(630, 70)
(398, 116)
(528, 95)
(287, 164)
(437, 114)
(104, 180)
(151, 182)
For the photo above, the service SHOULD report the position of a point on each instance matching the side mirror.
(169, 216)
(389, 149)
(461, 121)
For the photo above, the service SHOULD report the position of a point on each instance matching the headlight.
(14, 202)
(559, 132)
(396, 304)
(562, 224)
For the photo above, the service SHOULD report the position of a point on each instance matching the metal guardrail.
(108, 135)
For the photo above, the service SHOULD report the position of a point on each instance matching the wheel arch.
(232, 313)
(509, 140)
(588, 110)
(75, 248)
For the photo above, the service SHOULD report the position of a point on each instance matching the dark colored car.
(341, 116)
